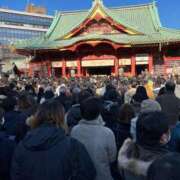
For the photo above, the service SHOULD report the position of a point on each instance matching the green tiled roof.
(143, 18)
(162, 36)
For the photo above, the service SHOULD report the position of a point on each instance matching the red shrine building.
(104, 41)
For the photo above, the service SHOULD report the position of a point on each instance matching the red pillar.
(150, 64)
(30, 73)
(79, 68)
(49, 69)
(116, 64)
(165, 64)
(63, 68)
(133, 65)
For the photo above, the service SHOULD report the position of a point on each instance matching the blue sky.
(169, 10)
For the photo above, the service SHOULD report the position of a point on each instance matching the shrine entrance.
(141, 68)
(99, 70)
(57, 72)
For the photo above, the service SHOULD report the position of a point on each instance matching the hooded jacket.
(134, 167)
(47, 153)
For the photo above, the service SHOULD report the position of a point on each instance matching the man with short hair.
(98, 140)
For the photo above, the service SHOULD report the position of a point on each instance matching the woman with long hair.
(140, 95)
(47, 153)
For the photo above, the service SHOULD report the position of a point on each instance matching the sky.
(169, 10)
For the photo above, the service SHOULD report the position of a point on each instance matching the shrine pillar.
(165, 63)
(116, 64)
(133, 65)
(150, 64)
(30, 73)
(49, 69)
(79, 68)
(63, 68)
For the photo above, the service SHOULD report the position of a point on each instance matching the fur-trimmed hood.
(134, 166)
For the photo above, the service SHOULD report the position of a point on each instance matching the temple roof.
(143, 20)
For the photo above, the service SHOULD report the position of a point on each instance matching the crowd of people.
(90, 128)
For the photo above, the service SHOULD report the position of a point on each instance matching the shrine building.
(104, 41)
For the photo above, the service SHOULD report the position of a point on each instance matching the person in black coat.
(47, 153)
(11, 116)
(74, 113)
(170, 104)
(166, 168)
(122, 128)
(6, 151)
(7, 147)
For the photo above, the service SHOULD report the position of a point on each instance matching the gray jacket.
(100, 144)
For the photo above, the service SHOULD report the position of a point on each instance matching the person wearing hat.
(147, 106)
(152, 136)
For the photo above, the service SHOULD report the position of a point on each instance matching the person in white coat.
(98, 140)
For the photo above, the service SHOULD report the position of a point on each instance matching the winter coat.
(73, 116)
(110, 114)
(11, 121)
(121, 132)
(66, 101)
(47, 153)
(6, 151)
(134, 160)
(174, 144)
(170, 105)
(177, 90)
(99, 142)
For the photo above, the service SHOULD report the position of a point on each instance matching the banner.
(56, 64)
(142, 59)
(71, 63)
(125, 62)
(98, 63)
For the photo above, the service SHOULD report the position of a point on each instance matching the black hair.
(48, 94)
(9, 104)
(83, 95)
(109, 87)
(12, 85)
(162, 91)
(150, 127)
(165, 168)
(126, 113)
(111, 95)
(141, 94)
(170, 86)
(91, 108)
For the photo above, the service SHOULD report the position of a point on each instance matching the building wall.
(101, 59)
(16, 25)
(31, 8)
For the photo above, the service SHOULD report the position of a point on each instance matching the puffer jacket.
(47, 153)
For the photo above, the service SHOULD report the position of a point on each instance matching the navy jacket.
(174, 144)
(12, 119)
(74, 116)
(6, 151)
(47, 153)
